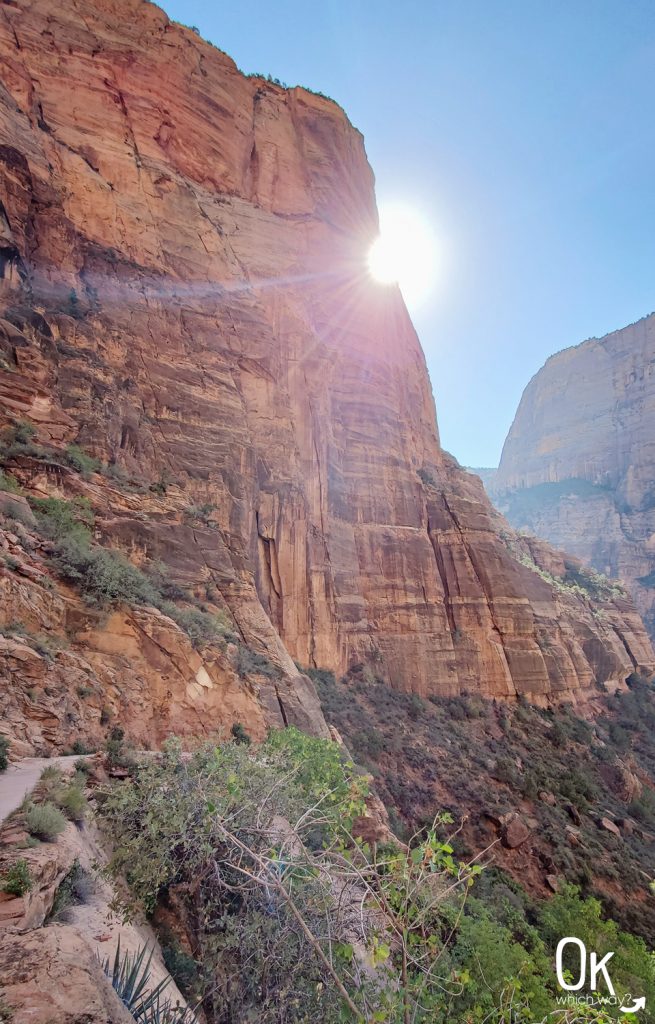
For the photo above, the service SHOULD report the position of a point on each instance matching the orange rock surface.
(184, 295)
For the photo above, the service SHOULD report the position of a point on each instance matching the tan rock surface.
(578, 465)
(185, 296)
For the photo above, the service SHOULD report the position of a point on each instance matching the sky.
(522, 132)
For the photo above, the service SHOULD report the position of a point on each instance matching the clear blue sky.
(524, 130)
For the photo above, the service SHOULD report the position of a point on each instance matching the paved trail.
(21, 777)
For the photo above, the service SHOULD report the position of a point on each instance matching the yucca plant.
(129, 976)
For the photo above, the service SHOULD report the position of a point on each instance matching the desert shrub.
(80, 747)
(45, 821)
(249, 662)
(21, 433)
(81, 461)
(17, 880)
(239, 734)
(75, 888)
(72, 802)
(643, 806)
(202, 628)
(619, 736)
(9, 483)
(104, 576)
(58, 519)
(4, 753)
(119, 754)
(200, 513)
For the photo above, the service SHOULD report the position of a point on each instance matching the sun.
(404, 253)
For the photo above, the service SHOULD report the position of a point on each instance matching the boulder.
(515, 832)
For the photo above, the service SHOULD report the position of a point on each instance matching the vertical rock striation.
(184, 295)
(578, 465)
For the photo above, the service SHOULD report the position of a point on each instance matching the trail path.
(21, 777)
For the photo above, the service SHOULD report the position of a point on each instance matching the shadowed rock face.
(185, 296)
(578, 465)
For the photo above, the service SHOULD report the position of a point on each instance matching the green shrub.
(23, 432)
(200, 514)
(9, 483)
(80, 747)
(45, 821)
(80, 461)
(75, 888)
(72, 802)
(239, 734)
(249, 662)
(17, 880)
(58, 519)
(202, 628)
(119, 755)
(104, 576)
(4, 753)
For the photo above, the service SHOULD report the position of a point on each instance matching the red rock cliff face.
(185, 296)
(578, 465)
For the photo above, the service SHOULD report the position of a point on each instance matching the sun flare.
(404, 253)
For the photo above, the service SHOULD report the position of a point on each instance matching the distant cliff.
(184, 298)
(578, 465)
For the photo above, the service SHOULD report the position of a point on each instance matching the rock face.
(578, 465)
(184, 296)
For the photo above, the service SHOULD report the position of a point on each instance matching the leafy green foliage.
(570, 772)
(72, 802)
(106, 577)
(9, 483)
(289, 915)
(81, 461)
(17, 880)
(4, 752)
(45, 821)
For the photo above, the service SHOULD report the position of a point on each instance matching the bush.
(22, 432)
(72, 802)
(45, 821)
(239, 734)
(80, 461)
(200, 514)
(17, 880)
(75, 888)
(4, 753)
(249, 662)
(9, 483)
(201, 627)
(118, 754)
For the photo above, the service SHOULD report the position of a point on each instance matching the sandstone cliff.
(578, 465)
(184, 297)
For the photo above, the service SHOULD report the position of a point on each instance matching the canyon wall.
(184, 295)
(578, 465)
